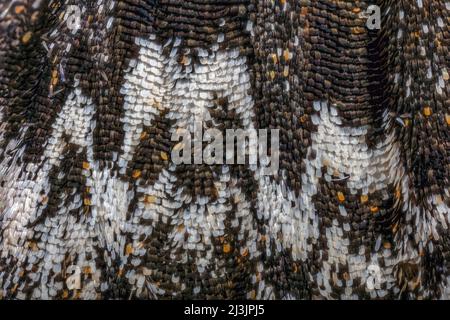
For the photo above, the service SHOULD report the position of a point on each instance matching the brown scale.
(366, 215)
(131, 20)
(425, 135)
(27, 73)
(275, 107)
(199, 23)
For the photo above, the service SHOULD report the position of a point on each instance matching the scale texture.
(93, 207)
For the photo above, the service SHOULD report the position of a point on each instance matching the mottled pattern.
(93, 207)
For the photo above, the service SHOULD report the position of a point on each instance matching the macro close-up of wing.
(93, 204)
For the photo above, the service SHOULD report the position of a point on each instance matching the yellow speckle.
(87, 202)
(180, 228)
(445, 75)
(164, 156)
(129, 249)
(65, 294)
(364, 198)
(374, 209)
(54, 80)
(286, 71)
(395, 228)
(27, 37)
(303, 118)
(33, 246)
(358, 30)
(136, 173)
(226, 248)
(447, 119)
(274, 58)
(86, 165)
(407, 122)
(253, 295)
(427, 111)
(150, 199)
(272, 75)
(340, 196)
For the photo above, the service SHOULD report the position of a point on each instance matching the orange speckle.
(387, 245)
(27, 37)
(303, 118)
(86, 165)
(184, 60)
(136, 173)
(143, 135)
(356, 10)
(226, 248)
(245, 252)
(398, 193)
(87, 270)
(253, 294)
(364, 198)
(447, 119)
(164, 156)
(65, 294)
(286, 55)
(340, 196)
(120, 272)
(180, 228)
(346, 276)
(129, 249)
(427, 111)
(304, 11)
(374, 209)
(19, 9)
